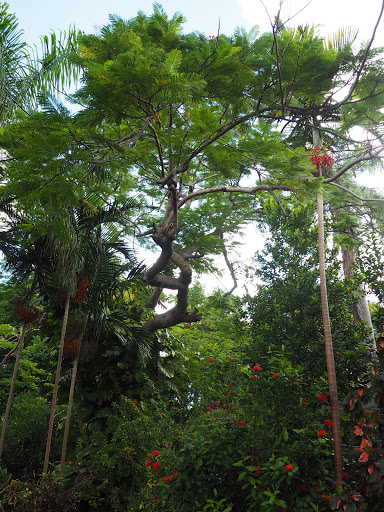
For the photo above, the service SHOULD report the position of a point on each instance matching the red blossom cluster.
(329, 423)
(322, 433)
(82, 287)
(257, 368)
(156, 465)
(275, 375)
(321, 160)
(167, 479)
(211, 37)
(26, 313)
(322, 398)
(289, 467)
(71, 346)
(210, 360)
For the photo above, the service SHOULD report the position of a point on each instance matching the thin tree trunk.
(360, 310)
(56, 386)
(70, 399)
(329, 354)
(12, 388)
(338, 455)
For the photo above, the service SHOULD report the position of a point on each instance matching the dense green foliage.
(178, 141)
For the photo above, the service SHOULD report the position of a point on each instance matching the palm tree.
(339, 479)
(96, 228)
(23, 74)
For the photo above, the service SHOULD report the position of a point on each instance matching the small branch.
(279, 203)
(239, 190)
(230, 268)
(365, 199)
(361, 158)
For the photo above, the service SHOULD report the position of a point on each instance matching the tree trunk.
(360, 310)
(12, 388)
(329, 354)
(56, 386)
(329, 350)
(70, 400)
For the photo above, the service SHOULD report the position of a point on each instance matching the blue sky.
(39, 17)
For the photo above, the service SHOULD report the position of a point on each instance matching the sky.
(40, 17)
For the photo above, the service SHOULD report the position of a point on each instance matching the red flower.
(289, 467)
(345, 475)
(322, 398)
(156, 466)
(256, 368)
(166, 479)
(329, 423)
(305, 400)
(210, 360)
(258, 470)
(241, 424)
(155, 453)
(233, 360)
(175, 475)
(148, 463)
(275, 375)
(322, 433)
(326, 497)
(156, 502)
(254, 377)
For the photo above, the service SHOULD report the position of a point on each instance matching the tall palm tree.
(338, 455)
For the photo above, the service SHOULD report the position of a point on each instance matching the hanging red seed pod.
(25, 312)
(82, 287)
(71, 346)
(321, 160)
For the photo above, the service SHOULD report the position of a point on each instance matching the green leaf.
(173, 61)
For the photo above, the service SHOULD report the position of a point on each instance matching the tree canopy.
(176, 142)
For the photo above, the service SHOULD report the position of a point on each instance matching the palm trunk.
(12, 388)
(56, 386)
(338, 455)
(70, 400)
(329, 354)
